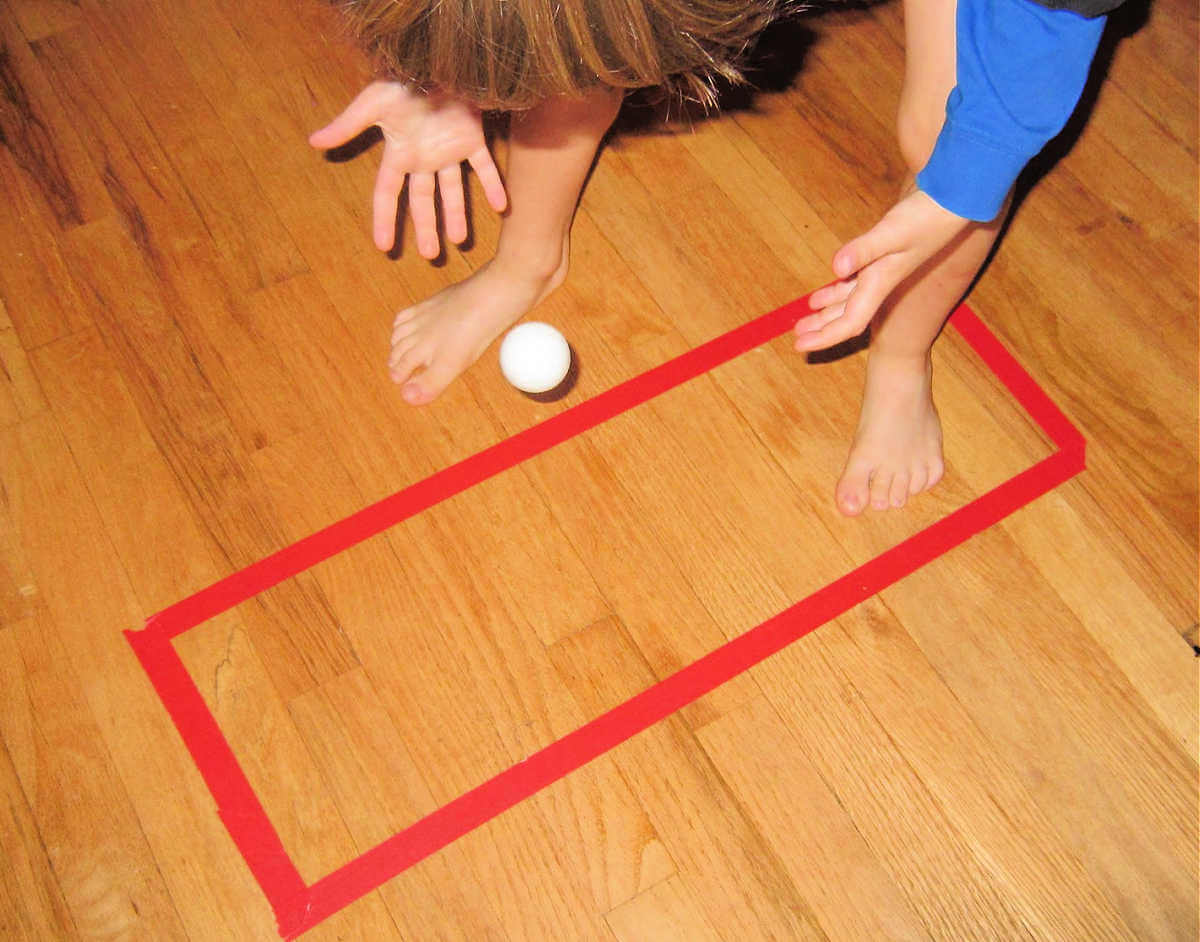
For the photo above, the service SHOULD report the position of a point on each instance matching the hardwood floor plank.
(1085, 302)
(1128, 784)
(524, 886)
(270, 122)
(666, 910)
(194, 328)
(142, 503)
(18, 584)
(1106, 599)
(682, 262)
(209, 887)
(723, 861)
(853, 180)
(233, 215)
(95, 849)
(634, 570)
(850, 892)
(31, 901)
(1138, 471)
(615, 847)
(1153, 188)
(945, 880)
(365, 918)
(607, 297)
(41, 300)
(769, 199)
(132, 166)
(870, 667)
(379, 790)
(1155, 63)
(863, 48)
(379, 440)
(20, 394)
(39, 18)
(191, 429)
(41, 138)
(223, 662)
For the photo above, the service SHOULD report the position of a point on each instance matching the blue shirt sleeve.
(1021, 68)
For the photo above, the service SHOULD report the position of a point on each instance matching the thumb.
(359, 115)
(861, 251)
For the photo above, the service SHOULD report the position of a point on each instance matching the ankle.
(914, 361)
(530, 259)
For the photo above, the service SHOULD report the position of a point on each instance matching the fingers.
(873, 288)
(880, 240)
(388, 183)
(421, 187)
(835, 293)
(454, 209)
(421, 190)
(816, 322)
(489, 178)
(359, 115)
(848, 318)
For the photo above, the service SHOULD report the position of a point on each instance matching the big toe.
(430, 384)
(853, 489)
(414, 393)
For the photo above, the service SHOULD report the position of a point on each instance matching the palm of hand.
(872, 266)
(425, 134)
(426, 140)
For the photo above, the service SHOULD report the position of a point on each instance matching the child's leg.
(897, 450)
(551, 149)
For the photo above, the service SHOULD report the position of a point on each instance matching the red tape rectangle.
(299, 906)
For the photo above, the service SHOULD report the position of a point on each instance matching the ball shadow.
(563, 389)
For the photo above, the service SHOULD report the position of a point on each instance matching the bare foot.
(897, 450)
(434, 341)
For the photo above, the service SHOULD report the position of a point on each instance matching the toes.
(901, 486)
(852, 490)
(414, 394)
(881, 489)
(405, 320)
(405, 360)
(937, 468)
(919, 480)
(402, 329)
(400, 349)
(429, 385)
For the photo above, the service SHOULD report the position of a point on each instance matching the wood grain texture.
(31, 901)
(193, 332)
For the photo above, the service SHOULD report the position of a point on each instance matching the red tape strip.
(299, 907)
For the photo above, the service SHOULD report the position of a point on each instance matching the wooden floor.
(193, 331)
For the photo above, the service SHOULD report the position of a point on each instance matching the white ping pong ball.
(535, 357)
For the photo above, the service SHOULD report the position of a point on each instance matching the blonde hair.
(511, 54)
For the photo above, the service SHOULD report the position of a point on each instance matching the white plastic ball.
(535, 357)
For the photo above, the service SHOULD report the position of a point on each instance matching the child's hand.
(872, 266)
(426, 139)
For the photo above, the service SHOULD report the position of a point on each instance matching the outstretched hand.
(426, 139)
(872, 266)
